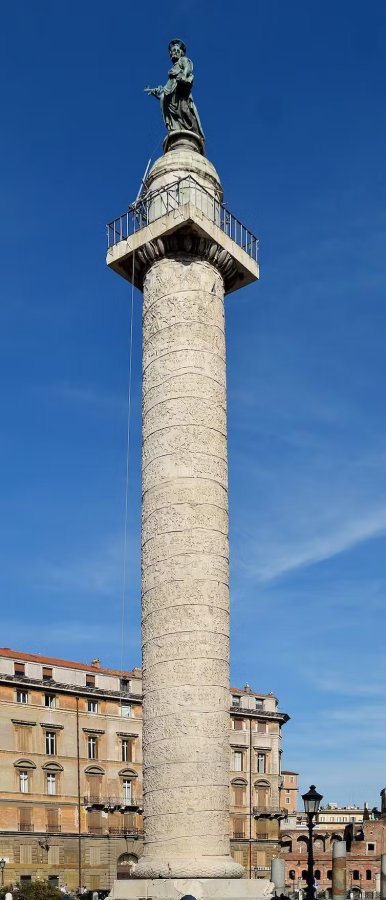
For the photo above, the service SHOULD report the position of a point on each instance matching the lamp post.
(2, 867)
(311, 802)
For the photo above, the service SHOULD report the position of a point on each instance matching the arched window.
(126, 777)
(292, 874)
(262, 794)
(356, 875)
(23, 781)
(329, 874)
(317, 874)
(126, 864)
(304, 874)
(368, 874)
(126, 790)
(239, 791)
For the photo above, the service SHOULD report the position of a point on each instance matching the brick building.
(365, 838)
(71, 772)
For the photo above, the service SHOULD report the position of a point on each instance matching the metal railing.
(155, 204)
(127, 832)
(24, 826)
(269, 811)
(53, 829)
(112, 802)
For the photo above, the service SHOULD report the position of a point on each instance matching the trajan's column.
(184, 250)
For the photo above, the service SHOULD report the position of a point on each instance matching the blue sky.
(292, 101)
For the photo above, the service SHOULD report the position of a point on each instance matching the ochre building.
(71, 772)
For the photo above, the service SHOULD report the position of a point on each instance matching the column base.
(197, 888)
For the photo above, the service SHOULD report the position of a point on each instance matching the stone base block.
(197, 888)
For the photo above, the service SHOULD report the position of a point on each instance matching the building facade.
(71, 772)
(365, 841)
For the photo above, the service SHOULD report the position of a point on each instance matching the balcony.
(127, 832)
(95, 829)
(113, 804)
(156, 204)
(53, 829)
(238, 836)
(27, 827)
(269, 812)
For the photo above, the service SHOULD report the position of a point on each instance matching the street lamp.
(311, 802)
(2, 867)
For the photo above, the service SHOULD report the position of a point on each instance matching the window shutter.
(53, 856)
(52, 818)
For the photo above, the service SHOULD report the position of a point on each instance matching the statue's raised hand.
(154, 92)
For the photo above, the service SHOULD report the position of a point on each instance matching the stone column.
(183, 260)
(339, 888)
(185, 594)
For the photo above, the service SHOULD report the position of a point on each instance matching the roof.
(236, 690)
(65, 663)
(289, 772)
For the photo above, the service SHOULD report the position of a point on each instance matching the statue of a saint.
(178, 108)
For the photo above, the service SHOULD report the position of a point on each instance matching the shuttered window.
(26, 854)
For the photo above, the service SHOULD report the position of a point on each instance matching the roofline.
(64, 663)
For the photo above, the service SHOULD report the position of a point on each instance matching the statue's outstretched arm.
(155, 91)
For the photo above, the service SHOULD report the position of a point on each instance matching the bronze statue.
(178, 108)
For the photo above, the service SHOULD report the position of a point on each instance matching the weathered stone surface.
(185, 602)
(219, 888)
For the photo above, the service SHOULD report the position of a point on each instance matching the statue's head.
(177, 48)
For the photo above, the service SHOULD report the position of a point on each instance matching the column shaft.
(185, 584)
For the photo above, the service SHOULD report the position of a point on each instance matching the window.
(23, 734)
(50, 743)
(26, 855)
(23, 782)
(356, 875)
(124, 684)
(53, 859)
(126, 790)
(126, 710)
(262, 727)
(90, 680)
(329, 874)
(127, 750)
(304, 874)
(239, 795)
(92, 706)
(92, 747)
(25, 816)
(238, 761)
(371, 847)
(317, 874)
(52, 820)
(238, 724)
(291, 874)
(261, 763)
(19, 668)
(94, 822)
(47, 673)
(22, 696)
(51, 783)
(287, 800)
(368, 874)
(235, 700)
(259, 703)
(50, 700)
(95, 856)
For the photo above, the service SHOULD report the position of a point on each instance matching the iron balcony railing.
(93, 800)
(155, 204)
(126, 832)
